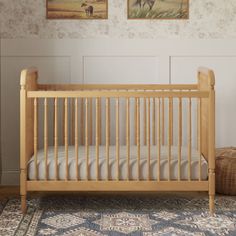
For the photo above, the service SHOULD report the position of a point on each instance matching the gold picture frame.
(158, 9)
(77, 9)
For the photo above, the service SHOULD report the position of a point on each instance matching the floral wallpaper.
(208, 19)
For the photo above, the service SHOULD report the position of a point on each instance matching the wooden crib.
(87, 137)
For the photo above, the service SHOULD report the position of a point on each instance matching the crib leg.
(23, 191)
(212, 204)
(23, 204)
(212, 191)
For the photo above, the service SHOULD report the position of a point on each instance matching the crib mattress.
(122, 164)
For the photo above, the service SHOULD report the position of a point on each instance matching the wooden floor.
(14, 191)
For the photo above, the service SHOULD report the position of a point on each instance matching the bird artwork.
(158, 9)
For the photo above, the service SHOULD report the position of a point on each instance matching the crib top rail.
(200, 90)
(151, 87)
(115, 94)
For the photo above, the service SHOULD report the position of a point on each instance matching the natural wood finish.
(46, 138)
(171, 120)
(148, 139)
(117, 186)
(73, 87)
(116, 94)
(203, 91)
(145, 121)
(90, 121)
(63, 121)
(72, 122)
(153, 121)
(76, 139)
(189, 138)
(169, 140)
(117, 140)
(82, 121)
(206, 82)
(56, 137)
(163, 121)
(86, 138)
(199, 124)
(100, 120)
(97, 138)
(36, 138)
(107, 134)
(128, 136)
(28, 81)
(138, 137)
(66, 138)
(159, 140)
(180, 139)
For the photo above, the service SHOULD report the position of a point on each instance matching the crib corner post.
(23, 98)
(211, 143)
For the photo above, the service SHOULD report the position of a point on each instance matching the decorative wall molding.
(68, 61)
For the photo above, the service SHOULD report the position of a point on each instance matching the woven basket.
(226, 171)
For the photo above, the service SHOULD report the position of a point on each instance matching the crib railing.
(143, 116)
(87, 97)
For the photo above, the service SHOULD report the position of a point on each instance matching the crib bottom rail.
(126, 186)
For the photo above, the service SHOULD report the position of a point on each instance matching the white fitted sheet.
(113, 166)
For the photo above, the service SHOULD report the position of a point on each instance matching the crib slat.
(159, 140)
(97, 138)
(145, 121)
(86, 138)
(163, 122)
(117, 140)
(138, 138)
(171, 120)
(189, 138)
(148, 138)
(72, 123)
(46, 137)
(91, 121)
(36, 138)
(107, 134)
(199, 137)
(128, 136)
(63, 121)
(153, 121)
(100, 120)
(56, 137)
(169, 142)
(82, 121)
(180, 139)
(76, 140)
(66, 137)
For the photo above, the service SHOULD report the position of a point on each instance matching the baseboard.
(10, 178)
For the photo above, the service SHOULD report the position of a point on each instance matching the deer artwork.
(88, 9)
(142, 3)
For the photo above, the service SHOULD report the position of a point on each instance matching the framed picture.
(77, 9)
(158, 9)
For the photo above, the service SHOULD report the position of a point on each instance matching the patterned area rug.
(118, 215)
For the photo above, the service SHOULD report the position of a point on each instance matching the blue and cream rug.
(118, 215)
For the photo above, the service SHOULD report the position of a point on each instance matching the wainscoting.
(113, 61)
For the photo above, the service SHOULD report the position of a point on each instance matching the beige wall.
(24, 21)
(209, 19)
